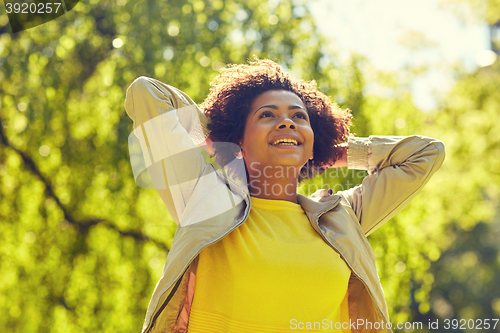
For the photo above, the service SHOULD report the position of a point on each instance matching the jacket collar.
(319, 203)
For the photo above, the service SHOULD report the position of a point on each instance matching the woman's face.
(277, 132)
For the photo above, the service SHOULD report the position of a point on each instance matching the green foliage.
(82, 246)
(468, 272)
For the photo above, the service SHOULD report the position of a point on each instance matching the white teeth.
(287, 142)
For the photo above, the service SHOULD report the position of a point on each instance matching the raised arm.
(398, 168)
(167, 127)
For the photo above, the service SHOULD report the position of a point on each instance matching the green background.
(82, 246)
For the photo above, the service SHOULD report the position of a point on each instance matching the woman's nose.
(286, 123)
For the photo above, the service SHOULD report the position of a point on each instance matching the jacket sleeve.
(398, 168)
(167, 127)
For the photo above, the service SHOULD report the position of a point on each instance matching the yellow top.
(270, 275)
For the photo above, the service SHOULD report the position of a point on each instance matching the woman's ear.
(239, 154)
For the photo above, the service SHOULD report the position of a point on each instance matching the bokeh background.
(82, 246)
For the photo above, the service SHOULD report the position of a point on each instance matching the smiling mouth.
(285, 142)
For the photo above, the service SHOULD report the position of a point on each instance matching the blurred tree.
(463, 282)
(482, 10)
(467, 273)
(81, 246)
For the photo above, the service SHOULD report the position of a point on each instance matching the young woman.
(249, 253)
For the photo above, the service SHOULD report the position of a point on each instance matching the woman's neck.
(275, 183)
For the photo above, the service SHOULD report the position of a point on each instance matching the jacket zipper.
(348, 264)
(150, 325)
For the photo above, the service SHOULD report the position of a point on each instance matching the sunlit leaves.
(84, 245)
(81, 243)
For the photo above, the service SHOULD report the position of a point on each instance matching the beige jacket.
(207, 204)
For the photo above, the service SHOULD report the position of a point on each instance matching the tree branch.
(84, 225)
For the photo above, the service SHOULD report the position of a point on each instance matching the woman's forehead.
(275, 97)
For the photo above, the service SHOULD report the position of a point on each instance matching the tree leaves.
(81, 242)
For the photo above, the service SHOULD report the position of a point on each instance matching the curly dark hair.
(233, 91)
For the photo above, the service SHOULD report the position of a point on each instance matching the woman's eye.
(300, 115)
(266, 114)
